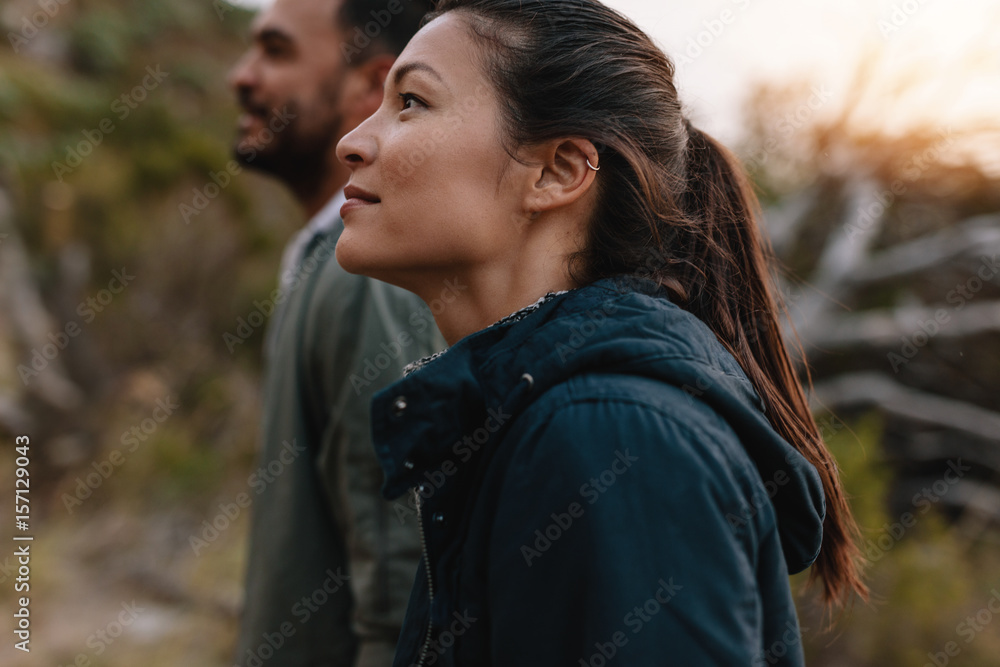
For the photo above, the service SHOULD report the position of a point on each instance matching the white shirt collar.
(325, 220)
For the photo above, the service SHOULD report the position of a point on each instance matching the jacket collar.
(422, 420)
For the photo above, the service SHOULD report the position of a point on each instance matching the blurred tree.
(889, 256)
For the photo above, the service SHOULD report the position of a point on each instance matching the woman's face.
(430, 162)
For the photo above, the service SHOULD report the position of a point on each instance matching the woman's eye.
(409, 100)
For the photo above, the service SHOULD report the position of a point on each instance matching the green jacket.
(331, 563)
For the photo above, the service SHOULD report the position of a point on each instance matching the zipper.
(382, 561)
(418, 501)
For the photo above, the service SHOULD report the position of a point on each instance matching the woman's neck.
(470, 301)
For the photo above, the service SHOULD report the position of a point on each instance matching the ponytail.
(732, 294)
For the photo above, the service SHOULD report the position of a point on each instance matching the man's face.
(289, 84)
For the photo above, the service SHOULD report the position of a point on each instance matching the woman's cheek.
(438, 135)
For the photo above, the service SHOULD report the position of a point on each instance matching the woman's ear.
(563, 172)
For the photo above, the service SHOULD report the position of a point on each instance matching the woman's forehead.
(446, 46)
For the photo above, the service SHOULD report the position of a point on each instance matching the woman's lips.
(356, 198)
(353, 204)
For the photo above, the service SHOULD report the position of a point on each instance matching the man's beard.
(298, 158)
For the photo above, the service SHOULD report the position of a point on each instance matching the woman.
(614, 459)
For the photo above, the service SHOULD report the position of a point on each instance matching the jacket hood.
(621, 326)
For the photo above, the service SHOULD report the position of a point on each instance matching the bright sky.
(945, 54)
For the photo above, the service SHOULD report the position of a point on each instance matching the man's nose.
(242, 75)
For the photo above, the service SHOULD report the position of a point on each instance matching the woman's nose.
(360, 146)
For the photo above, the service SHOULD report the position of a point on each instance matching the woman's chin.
(357, 257)
(351, 258)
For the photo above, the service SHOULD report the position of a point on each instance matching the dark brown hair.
(566, 68)
(388, 25)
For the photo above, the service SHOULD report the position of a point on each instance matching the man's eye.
(275, 49)
(409, 100)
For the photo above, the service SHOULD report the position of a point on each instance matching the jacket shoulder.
(627, 405)
(590, 419)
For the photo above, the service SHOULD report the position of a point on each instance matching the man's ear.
(560, 174)
(363, 88)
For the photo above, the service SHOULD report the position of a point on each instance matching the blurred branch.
(784, 221)
(31, 322)
(843, 254)
(868, 389)
(982, 499)
(939, 445)
(973, 238)
(885, 328)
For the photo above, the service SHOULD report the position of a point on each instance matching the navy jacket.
(596, 483)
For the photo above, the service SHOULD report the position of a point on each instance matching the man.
(330, 565)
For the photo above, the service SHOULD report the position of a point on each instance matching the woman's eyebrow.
(405, 69)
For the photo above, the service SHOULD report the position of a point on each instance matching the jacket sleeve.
(611, 541)
(364, 333)
(297, 555)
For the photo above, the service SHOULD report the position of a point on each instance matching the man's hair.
(394, 29)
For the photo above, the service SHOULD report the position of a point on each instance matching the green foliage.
(926, 578)
(100, 42)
